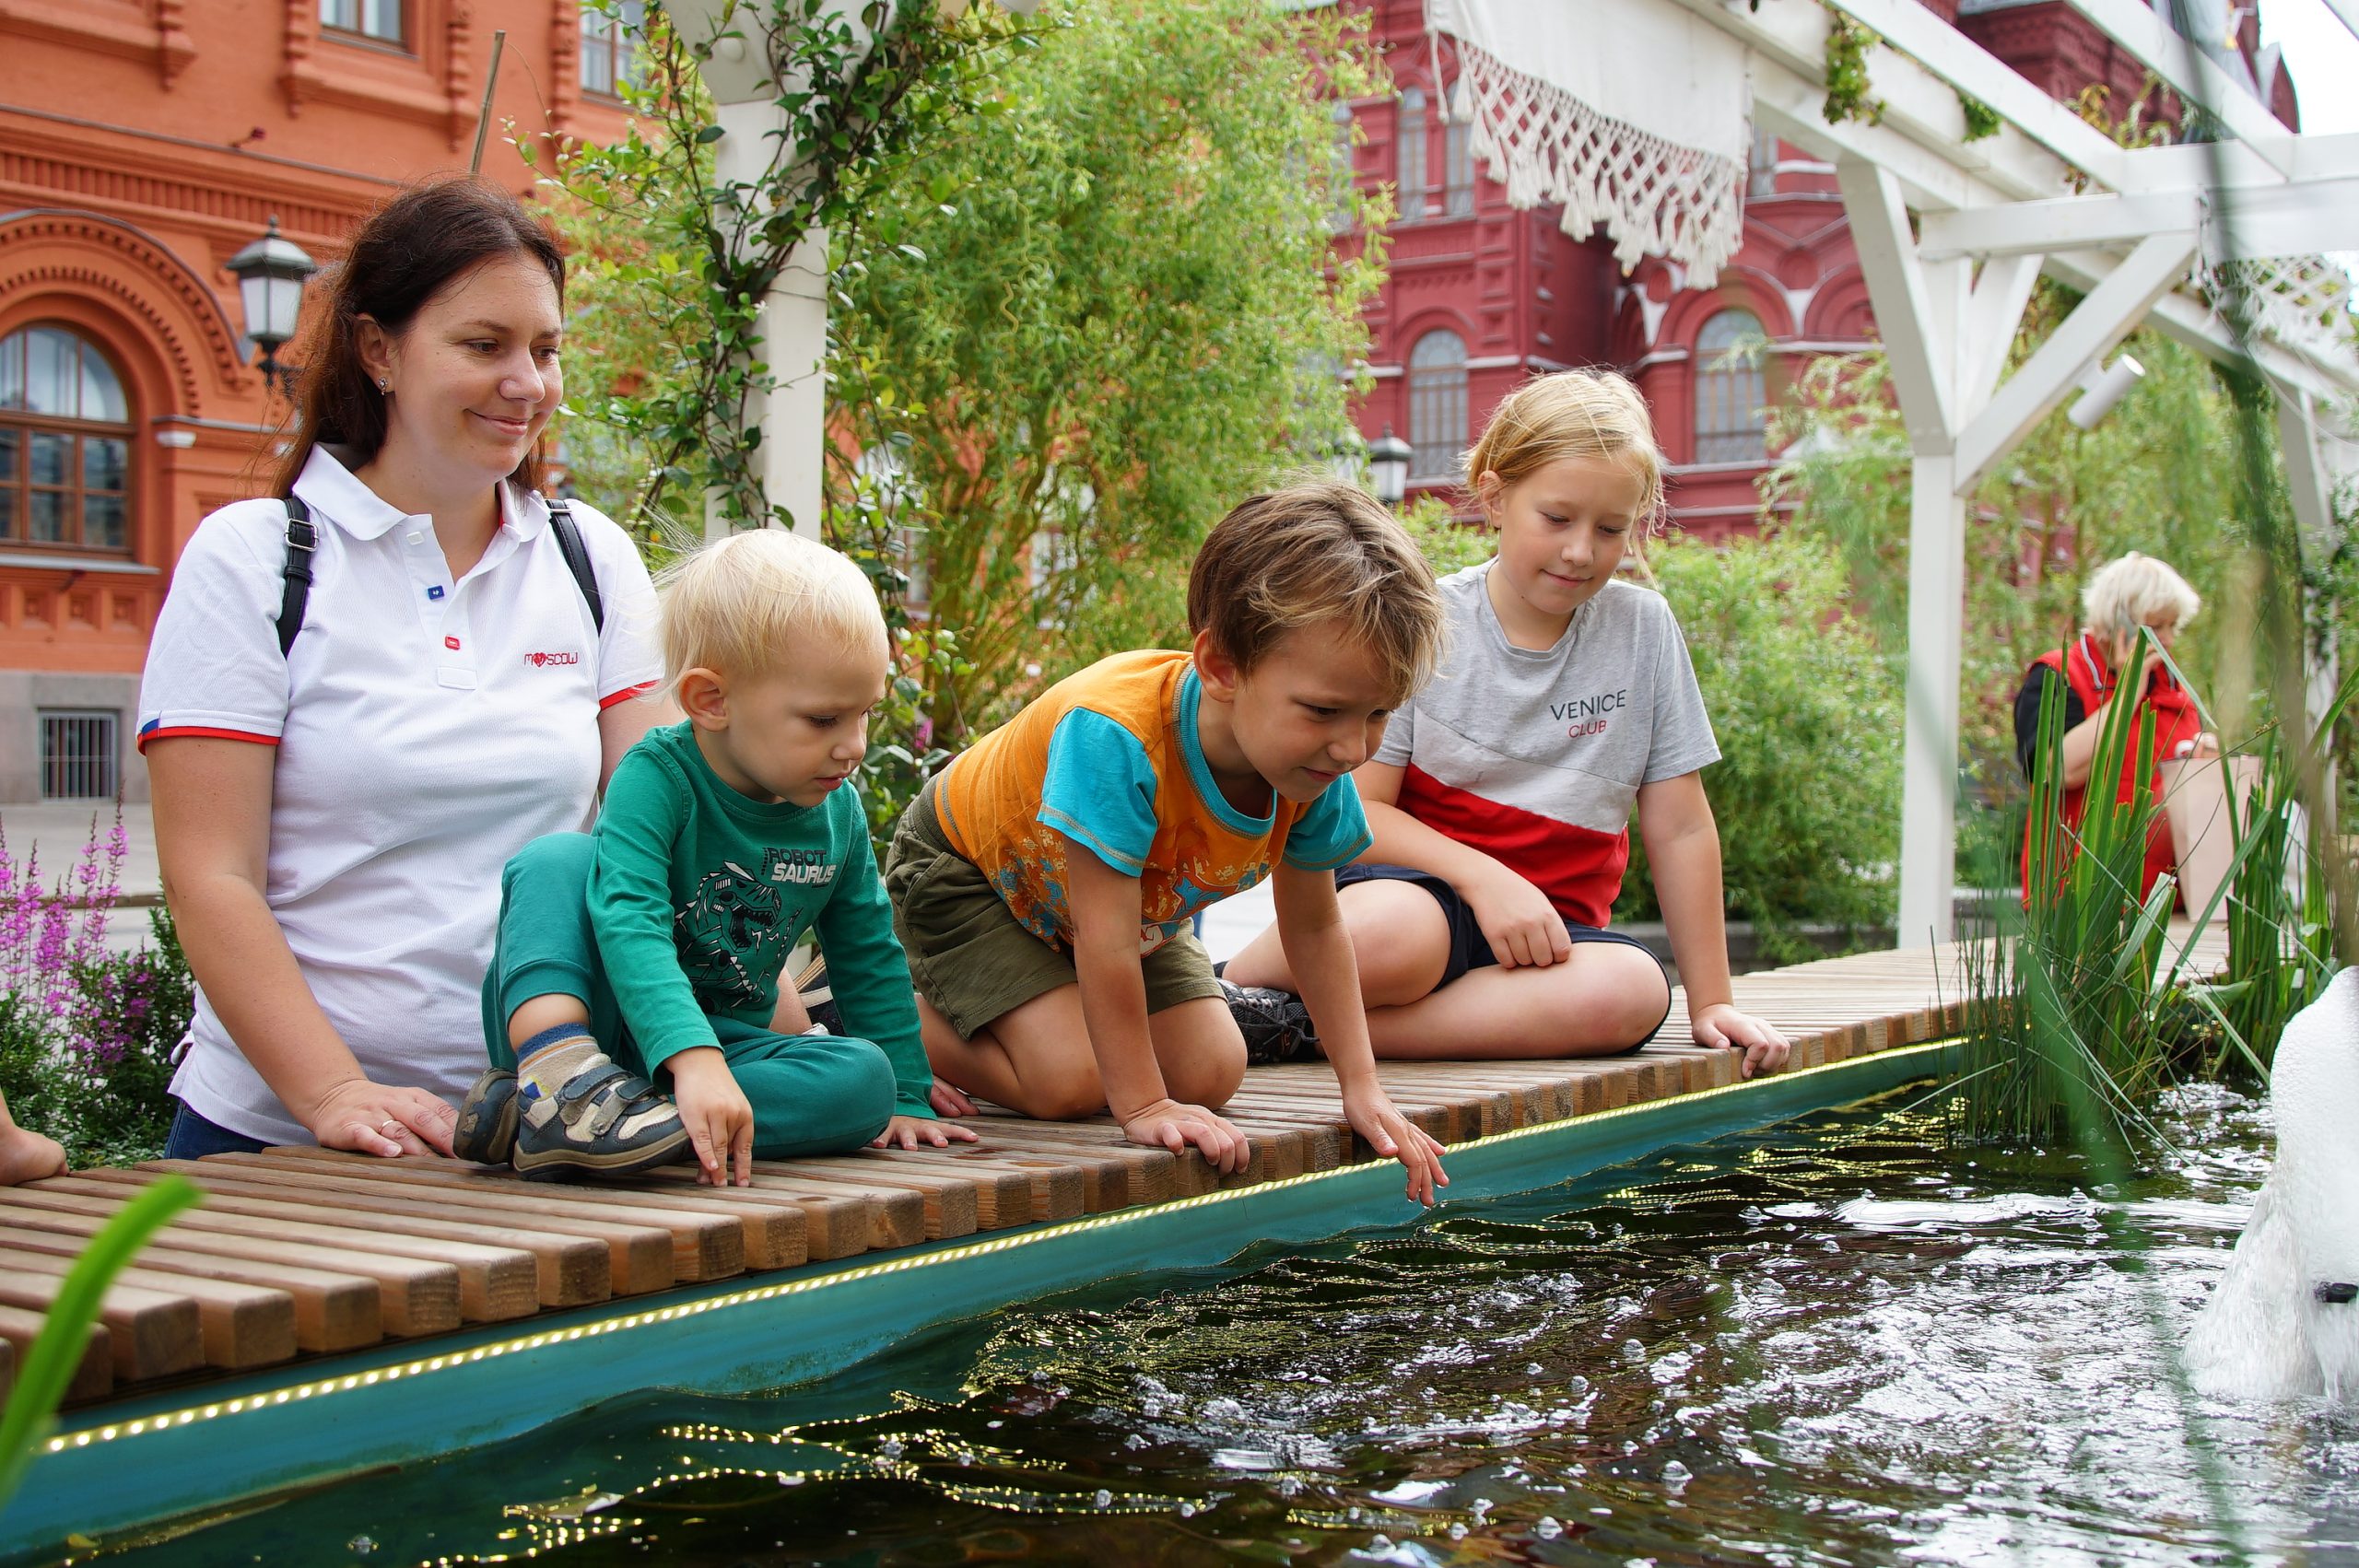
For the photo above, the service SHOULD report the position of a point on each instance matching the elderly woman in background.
(2126, 598)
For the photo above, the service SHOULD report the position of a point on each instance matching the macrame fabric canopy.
(1629, 114)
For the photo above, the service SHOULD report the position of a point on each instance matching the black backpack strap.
(302, 542)
(577, 559)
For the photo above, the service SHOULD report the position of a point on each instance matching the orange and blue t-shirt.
(1109, 758)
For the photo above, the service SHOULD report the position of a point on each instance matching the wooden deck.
(298, 1254)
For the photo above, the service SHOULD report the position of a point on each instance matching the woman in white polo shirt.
(332, 813)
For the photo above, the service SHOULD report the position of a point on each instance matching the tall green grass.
(2079, 1008)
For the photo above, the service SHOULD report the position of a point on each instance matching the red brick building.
(1482, 296)
(143, 144)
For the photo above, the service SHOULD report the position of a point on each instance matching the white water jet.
(2284, 1321)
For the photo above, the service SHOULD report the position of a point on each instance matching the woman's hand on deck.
(1169, 1124)
(715, 1111)
(1516, 919)
(949, 1100)
(909, 1131)
(1723, 1027)
(371, 1119)
(1375, 1118)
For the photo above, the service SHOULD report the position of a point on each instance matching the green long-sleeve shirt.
(699, 893)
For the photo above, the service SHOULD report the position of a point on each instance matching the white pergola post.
(792, 416)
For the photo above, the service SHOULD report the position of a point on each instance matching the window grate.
(77, 753)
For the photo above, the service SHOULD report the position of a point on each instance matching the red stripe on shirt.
(200, 732)
(1578, 868)
(626, 694)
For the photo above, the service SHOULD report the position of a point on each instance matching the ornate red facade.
(1524, 296)
(143, 144)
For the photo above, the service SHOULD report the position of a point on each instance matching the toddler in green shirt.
(651, 948)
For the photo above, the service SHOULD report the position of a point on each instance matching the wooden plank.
(771, 1234)
(154, 1334)
(332, 1312)
(414, 1296)
(496, 1285)
(1152, 1176)
(93, 1375)
(242, 1326)
(641, 1256)
(1061, 1187)
(842, 1220)
(560, 1270)
(954, 1205)
(1105, 1174)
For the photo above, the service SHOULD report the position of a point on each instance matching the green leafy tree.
(1105, 314)
(1807, 792)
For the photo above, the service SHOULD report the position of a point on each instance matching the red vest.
(2166, 707)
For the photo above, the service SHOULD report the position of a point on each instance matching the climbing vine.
(683, 260)
(1846, 65)
(1981, 120)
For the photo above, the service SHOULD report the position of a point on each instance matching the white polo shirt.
(425, 731)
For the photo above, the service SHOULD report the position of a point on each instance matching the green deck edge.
(137, 1462)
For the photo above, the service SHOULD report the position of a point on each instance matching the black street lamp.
(1388, 460)
(271, 273)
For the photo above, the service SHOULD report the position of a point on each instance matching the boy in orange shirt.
(1043, 883)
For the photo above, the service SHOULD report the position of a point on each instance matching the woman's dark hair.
(410, 250)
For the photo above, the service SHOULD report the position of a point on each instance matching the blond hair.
(1587, 413)
(2125, 591)
(736, 605)
(1317, 551)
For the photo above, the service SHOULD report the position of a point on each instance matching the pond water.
(1835, 1341)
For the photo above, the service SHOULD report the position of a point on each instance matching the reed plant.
(2060, 1015)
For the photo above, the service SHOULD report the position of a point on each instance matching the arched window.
(1458, 167)
(1409, 152)
(65, 444)
(1436, 405)
(1731, 418)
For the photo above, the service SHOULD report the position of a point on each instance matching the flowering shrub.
(86, 1034)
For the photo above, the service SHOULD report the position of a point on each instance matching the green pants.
(811, 1093)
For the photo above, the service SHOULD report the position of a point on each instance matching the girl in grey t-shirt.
(1500, 796)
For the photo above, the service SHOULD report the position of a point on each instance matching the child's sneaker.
(1276, 1024)
(605, 1121)
(818, 997)
(486, 1130)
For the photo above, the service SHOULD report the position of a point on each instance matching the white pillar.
(1936, 645)
(788, 461)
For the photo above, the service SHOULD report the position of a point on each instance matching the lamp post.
(271, 273)
(1388, 460)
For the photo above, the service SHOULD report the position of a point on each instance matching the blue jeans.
(193, 1138)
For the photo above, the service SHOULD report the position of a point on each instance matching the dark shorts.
(1468, 950)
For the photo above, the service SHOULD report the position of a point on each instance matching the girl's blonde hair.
(737, 606)
(1587, 413)
(2125, 591)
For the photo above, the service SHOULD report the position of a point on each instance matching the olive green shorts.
(972, 958)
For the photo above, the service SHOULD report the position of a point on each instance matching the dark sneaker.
(486, 1130)
(605, 1121)
(818, 997)
(1276, 1024)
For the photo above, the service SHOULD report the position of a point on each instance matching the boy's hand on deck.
(715, 1111)
(949, 1100)
(1169, 1124)
(909, 1131)
(1517, 920)
(1375, 1118)
(1724, 1028)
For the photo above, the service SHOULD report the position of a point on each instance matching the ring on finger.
(389, 1124)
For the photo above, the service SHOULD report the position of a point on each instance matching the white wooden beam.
(1992, 315)
(1929, 747)
(2193, 75)
(2189, 321)
(1966, 66)
(1918, 336)
(2061, 223)
(2298, 218)
(1789, 43)
(2110, 312)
